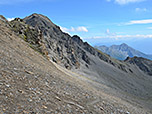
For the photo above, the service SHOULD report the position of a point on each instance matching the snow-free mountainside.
(44, 70)
(121, 52)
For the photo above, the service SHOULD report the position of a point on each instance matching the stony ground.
(30, 84)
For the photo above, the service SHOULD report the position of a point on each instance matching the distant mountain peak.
(122, 51)
(124, 44)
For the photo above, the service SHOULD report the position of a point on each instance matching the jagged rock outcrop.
(47, 38)
(70, 52)
(3, 19)
(29, 34)
(144, 64)
(61, 48)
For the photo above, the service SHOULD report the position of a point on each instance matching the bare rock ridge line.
(47, 38)
(78, 56)
(144, 64)
(92, 82)
(63, 49)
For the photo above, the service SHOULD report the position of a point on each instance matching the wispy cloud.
(123, 2)
(146, 21)
(10, 19)
(109, 33)
(141, 9)
(122, 37)
(77, 29)
(135, 22)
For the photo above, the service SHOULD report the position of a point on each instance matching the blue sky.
(100, 22)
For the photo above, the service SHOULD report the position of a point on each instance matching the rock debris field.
(30, 84)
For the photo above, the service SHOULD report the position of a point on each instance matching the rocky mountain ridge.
(144, 64)
(70, 52)
(30, 84)
(60, 47)
(130, 79)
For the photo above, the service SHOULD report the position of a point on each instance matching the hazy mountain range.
(121, 52)
(44, 70)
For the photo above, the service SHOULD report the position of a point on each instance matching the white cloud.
(123, 2)
(132, 22)
(124, 37)
(146, 21)
(141, 10)
(84, 29)
(10, 19)
(77, 29)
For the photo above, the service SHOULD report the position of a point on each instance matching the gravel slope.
(30, 84)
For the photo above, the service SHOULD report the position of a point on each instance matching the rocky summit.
(121, 52)
(46, 71)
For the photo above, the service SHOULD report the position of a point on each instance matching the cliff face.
(47, 38)
(70, 52)
(61, 48)
(144, 64)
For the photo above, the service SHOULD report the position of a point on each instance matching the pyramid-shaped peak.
(123, 44)
(36, 19)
